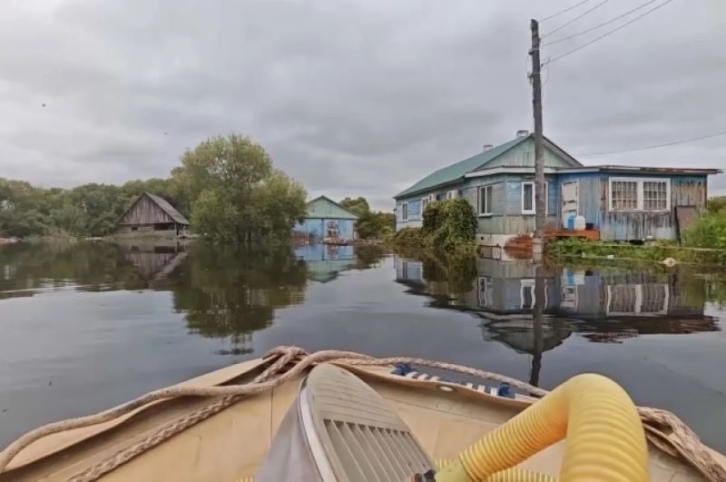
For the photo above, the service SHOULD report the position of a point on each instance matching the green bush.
(460, 218)
(447, 226)
(579, 247)
(709, 231)
(433, 217)
(717, 205)
(409, 238)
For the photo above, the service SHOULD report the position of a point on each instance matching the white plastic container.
(580, 223)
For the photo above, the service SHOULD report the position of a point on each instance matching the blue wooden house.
(326, 220)
(623, 203)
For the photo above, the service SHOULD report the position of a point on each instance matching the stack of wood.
(520, 247)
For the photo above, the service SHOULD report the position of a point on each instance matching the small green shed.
(327, 220)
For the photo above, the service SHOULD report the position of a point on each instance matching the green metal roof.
(456, 171)
(325, 208)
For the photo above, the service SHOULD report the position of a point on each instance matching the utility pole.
(539, 181)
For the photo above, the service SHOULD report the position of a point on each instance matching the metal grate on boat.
(358, 436)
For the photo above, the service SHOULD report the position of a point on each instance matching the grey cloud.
(354, 97)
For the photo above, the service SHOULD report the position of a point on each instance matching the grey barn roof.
(168, 209)
(163, 204)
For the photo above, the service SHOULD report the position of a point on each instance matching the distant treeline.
(87, 210)
(226, 185)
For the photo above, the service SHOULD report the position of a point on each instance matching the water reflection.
(225, 295)
(26, 269)
(534, 309)
(155, 262)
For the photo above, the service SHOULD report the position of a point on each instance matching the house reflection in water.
(619, 305)
(605, 307)
(155, 262)
(324, 261)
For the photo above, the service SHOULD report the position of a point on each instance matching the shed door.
(570, 196)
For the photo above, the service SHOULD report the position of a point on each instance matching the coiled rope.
(663, 428)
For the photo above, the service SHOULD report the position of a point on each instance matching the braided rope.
(107, 465)
(664, 429)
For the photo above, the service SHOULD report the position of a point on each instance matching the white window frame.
(638, 307)
(484, 296)
(425, 202)
(528, 284)
(404, 211)
(640, 193)
(534, 198)
(451, 194)
(479, 191)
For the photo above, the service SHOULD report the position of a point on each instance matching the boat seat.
(349, 432)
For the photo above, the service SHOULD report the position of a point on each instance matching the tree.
(359, 205)
(235, 194)
(370, 224)
(20, 213)
(227, 185)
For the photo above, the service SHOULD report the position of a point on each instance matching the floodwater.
(87, 326)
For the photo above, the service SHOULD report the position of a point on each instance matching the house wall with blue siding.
(322, 228)
(506, 217)
(594, 205)
(326, 219)
(415, 209)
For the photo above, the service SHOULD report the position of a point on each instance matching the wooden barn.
(152, 214)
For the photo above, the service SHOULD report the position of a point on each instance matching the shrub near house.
(447, 226)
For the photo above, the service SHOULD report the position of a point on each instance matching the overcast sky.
(351, 97)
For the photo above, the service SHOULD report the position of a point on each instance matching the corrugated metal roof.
(168, 208)
(456, 171)
(643, 169)
(324, 207)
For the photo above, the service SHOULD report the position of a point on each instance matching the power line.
(645, 148)
(600, 25)
(576, 18)
(610, 32)
(565, 10)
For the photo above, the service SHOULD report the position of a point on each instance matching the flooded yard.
(87, 326)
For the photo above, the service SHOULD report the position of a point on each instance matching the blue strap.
(402, 369)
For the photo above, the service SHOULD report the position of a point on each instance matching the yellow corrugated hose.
(510, 475)
(605, 437)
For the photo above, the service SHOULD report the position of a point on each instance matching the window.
(528, 198)
(425, 201)
(404, 212)
(655, 195)
(451, 194)
(624, 195)
(639, 299)
(485, 200)
(527, 294)
(633, 194)
(486, 298)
